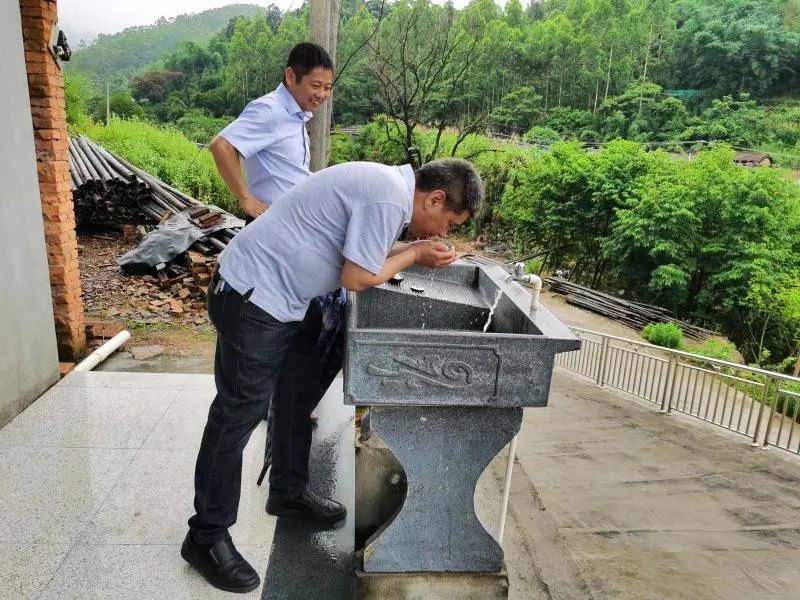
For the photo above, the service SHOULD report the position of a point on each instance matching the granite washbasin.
(445, 359)
(421, 341)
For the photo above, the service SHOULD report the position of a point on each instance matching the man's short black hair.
(459, 180)
(305, 57)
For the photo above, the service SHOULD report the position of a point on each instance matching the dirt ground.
(138, 303)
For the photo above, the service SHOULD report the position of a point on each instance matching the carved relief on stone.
(430, 370)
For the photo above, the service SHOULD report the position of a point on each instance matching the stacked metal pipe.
(633, 314)
(108, 189)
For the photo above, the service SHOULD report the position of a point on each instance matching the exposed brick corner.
(46, 90)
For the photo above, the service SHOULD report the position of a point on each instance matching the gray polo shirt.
(295, 251)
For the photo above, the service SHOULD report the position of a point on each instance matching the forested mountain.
(114, 58)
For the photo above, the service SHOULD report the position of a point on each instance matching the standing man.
(336, 228)
(270, 134)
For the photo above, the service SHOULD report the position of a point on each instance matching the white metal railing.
(753, 402)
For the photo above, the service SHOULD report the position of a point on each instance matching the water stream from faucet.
(491, 311)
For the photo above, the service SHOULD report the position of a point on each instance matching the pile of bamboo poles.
(632, 314)
(108, 189)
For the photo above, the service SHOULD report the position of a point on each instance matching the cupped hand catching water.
(435, 254)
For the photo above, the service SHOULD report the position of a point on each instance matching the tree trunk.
(560, 84)
(647, 54)
(596, 94)
(608, 74)
(547, 91)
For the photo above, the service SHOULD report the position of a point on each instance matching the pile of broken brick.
(110, 191)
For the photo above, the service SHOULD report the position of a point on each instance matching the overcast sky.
(84, 19)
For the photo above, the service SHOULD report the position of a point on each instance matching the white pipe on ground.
(103, 352)
(512, 452)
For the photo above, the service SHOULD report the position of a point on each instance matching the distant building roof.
(753, 159)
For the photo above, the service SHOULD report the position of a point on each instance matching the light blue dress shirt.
(271, 136)
(295, 251)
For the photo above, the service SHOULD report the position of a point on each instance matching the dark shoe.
(221, 564)
(308, 506)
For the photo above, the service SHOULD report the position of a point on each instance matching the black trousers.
(256, 355)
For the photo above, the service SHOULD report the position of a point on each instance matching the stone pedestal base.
(431, 586)
(443, 451)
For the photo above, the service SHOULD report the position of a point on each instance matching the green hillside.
(114, 58)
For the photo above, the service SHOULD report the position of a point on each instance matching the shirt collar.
(292, 107)
(407, 171)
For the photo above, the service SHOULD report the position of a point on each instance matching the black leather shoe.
(221, 565)
(308, 506)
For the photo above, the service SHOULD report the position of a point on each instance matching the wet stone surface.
(443, 451)
(306, 561)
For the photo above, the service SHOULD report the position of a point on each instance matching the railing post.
(669, 384)
(764, 396)
(601, 370)
(772, 413)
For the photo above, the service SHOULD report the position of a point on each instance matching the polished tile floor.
(96, 486)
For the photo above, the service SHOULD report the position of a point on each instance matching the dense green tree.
(734, 46)
(78, 93)
(739, 122)
(518, 110)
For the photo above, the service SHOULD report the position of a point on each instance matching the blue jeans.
(256, 355)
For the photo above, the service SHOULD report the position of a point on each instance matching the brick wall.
(46, 90)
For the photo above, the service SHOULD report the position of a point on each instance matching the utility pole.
(324, 30)
(108, 104)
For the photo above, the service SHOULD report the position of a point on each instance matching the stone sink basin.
(427, 347)
(445, 397)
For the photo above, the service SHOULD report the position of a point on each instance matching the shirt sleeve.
(252, 131)
(371, 233)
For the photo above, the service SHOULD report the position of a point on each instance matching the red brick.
(49, 134)
(38, 3)
(102, 329)
(36, 44)
(64, 294)
(60, 254)
(64, 368)
(58, 234)
(35, 24)
(60, 216)
(38, 12)
(34, 20)
(60, 145)
(50, 173)
(60, 199)
(42, 68)
(46, 112)
(38, 7)
(36, 57)
(45, 101)
(57, 272)
(60, 186)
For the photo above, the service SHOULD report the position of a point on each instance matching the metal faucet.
(520, 274)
